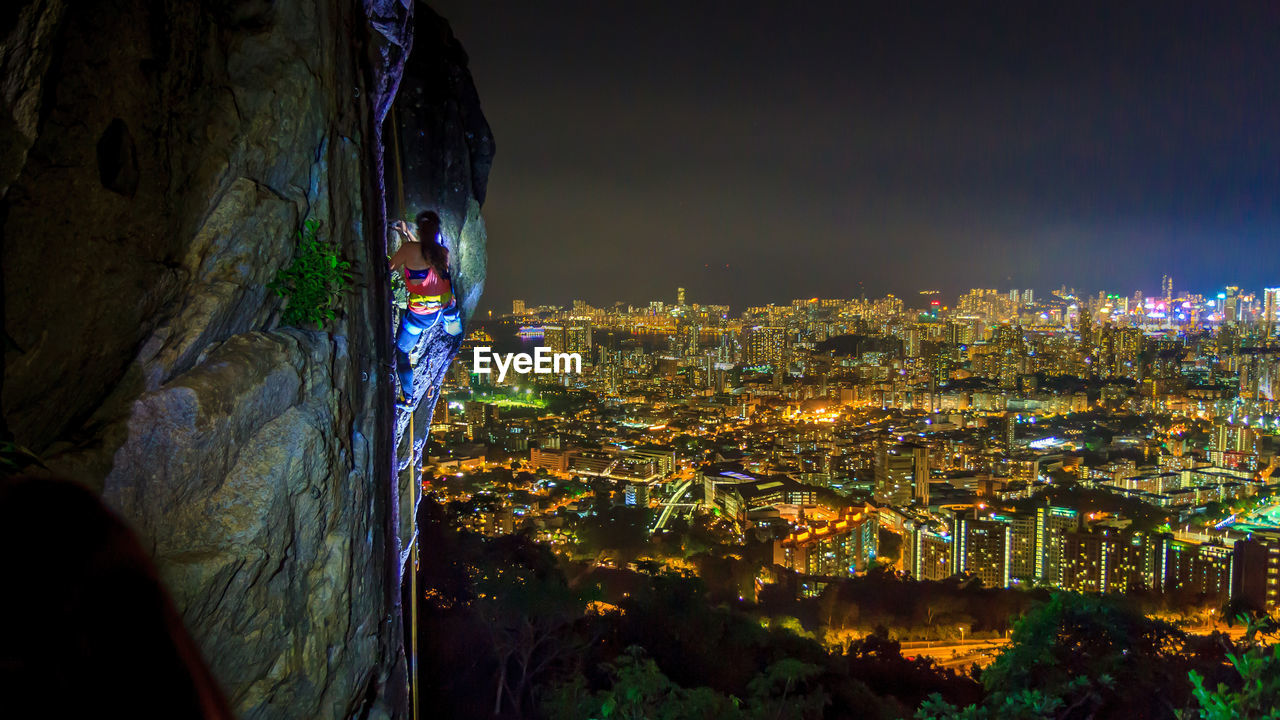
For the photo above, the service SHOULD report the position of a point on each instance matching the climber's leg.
(404, 371)
(411, 326)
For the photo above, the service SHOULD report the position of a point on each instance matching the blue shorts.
(412, 325)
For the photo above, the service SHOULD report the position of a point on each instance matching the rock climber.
(431, 300)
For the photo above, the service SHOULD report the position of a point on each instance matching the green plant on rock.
(399, 291)
(314, 283)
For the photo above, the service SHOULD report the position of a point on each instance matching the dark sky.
(756, 152)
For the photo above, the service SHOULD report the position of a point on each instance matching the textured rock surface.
(159, 158)
(265, 545)
(24, 61)
(447, 147)
(446, 151)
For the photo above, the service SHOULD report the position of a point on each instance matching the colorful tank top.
(428, 292)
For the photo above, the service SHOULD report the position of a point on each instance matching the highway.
(957, 654)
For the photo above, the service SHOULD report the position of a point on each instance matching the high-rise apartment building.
(920, 474)
(1052, 526)
(911, 340)
(982, 548)
(1255, 581)
(1270, 309)
(1202, 570)
(1127, 358)
(765, 345)
(901, 473)
(1011, 349)
(927, 554)
(1022, 545)
(836, 549)
(1259, 374)
(1110, 561)
(480, 416)
(569, 337)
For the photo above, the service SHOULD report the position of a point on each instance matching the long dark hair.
(436, 254)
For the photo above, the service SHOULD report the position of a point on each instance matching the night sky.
(758, 152)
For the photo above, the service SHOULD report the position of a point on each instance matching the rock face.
(445, 152)
(159, 158)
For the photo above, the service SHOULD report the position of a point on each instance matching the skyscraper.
(569, 337)
(920, 473)
(765, 345)
(1022, 552)
(927, 554)
(1052, 526)
(893, 470)
(1231, 305)
(1256, 574)
(902, 473)
(1270, 309)
(982, 548)
(1012, 349)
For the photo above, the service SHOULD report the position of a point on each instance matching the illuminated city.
(1093, 443)
(675, 360)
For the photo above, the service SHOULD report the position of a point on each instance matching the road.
(957, 654)
(960, 655)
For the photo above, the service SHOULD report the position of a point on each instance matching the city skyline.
(671, 298)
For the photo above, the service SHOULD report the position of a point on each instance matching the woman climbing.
(426, 275)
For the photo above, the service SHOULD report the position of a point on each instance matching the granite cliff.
(158, 159)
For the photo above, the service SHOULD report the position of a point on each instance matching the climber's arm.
(400, 256)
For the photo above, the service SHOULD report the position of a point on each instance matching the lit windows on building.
(927, 554)
(837, 549)
(1052, 526)
(982, 548)
(765, 345)
(1255, 580)
(573, 336)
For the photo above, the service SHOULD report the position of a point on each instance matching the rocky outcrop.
(273, 533)
(159, 158)
(25, 58)
(445, 150)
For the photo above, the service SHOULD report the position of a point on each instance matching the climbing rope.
(413, 474)
(413, 571)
